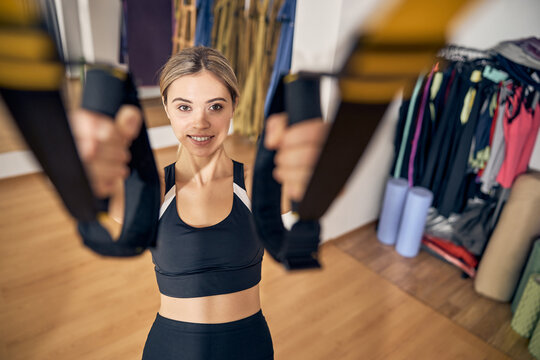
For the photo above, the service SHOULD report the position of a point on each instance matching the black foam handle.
(103, 93)
(302, 102)
(302, 99)
(295, 248)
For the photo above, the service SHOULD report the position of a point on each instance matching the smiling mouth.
(200, 138)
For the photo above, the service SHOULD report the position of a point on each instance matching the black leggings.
(248, 339)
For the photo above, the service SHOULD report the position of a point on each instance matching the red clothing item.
(455, 250)
(520, 135)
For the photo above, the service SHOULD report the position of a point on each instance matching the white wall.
(100, 22)
(68, 22)
(324, 30)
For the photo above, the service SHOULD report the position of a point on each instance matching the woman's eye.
(183, 108)
(216, 107)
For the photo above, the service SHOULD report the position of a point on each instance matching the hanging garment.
(205, 22)
(446, 133)
(411, 109)
(498, 145)
(282, 64)
(479, 154)
(520, 131)
(429, 123)
(418, 127)
(398, 136)
(453, 196)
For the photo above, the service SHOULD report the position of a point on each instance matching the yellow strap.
(388, 62)
(26, 44)
(412, 21)
(369, 91)
(19, 12)
(33, 76)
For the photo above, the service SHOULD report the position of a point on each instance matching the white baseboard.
(148, 92)
(17, 163)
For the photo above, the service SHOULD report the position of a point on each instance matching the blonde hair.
(194, 60)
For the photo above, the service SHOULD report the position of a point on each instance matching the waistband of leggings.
(205, 328)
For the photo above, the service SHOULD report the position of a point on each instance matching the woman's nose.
(200, 121)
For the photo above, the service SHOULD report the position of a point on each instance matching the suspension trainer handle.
(105, 91)
(295, 248)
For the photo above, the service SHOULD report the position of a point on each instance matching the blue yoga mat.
(413, 221)
(394, 200)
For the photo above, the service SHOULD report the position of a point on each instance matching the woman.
(207, 258)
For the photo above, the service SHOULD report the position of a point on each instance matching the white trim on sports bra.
(167, 200)
(242, 195)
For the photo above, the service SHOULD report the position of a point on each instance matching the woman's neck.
(202, 170)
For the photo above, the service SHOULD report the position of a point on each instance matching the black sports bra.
(218, 259)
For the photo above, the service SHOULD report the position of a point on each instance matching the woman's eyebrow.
(208, 101)
(216, 99)
(181, 99)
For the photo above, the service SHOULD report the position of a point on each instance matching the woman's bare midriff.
(212, 309)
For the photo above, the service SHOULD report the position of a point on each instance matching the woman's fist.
(298, 148)
(103, 145)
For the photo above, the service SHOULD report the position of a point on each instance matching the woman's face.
(200, 109)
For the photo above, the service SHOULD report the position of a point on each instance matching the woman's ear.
(164, 102)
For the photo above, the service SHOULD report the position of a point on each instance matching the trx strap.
(296, 248)
(105, 91)
(387, 56)
(30, 80)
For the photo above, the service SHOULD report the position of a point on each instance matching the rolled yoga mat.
(527, 313)
(394, 200)
(533, 266)
(413, 221)
(507, 250)
(534, 343)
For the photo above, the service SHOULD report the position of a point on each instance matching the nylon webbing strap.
(31, 76)
(297, 248)
(390, 52)
(105, 91)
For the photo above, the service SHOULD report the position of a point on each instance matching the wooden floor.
(60, 301)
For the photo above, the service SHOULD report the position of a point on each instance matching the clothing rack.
(460, 53)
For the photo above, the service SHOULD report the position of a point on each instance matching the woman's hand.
(298, 148)
(103, 145)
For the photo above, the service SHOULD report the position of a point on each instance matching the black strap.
(238, 171)
(169, 177)
(105, 92)
(297, 248)
(365, 95)
(41, 119)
